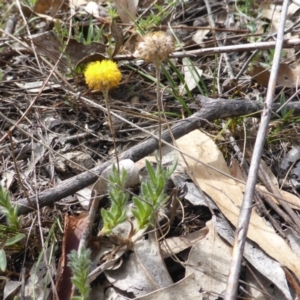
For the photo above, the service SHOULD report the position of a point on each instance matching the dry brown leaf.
(260, 75)
(228, 195)
(210, 260)
(287, 76)
(127, 9)
(176, 244)
(50, 7)
(117, 33)
(74, 227)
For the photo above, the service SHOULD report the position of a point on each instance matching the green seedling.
(10, 234)
(10, 211)
(80, 265)
(152, 197)
(116, 214)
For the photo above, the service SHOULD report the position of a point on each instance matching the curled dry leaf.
(287, 76)
(74, 228)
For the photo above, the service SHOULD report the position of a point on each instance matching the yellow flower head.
(155, 47)
(102, 75)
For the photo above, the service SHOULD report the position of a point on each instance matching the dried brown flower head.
(155, 47)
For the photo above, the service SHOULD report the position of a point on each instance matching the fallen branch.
(209, 110)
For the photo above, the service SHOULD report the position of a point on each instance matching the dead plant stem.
(159, 108)
(111, 127)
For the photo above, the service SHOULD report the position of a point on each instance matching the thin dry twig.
(246, 208)
(224, 49)
(211, 109)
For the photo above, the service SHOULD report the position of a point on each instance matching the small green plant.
(86, 34)
(152, 196)
(80, 264)
(10, 211)
(10, 234)
(116, 214)
(156, 17)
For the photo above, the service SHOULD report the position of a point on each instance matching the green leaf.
(139, 204)
(151, 172)
(15, 239)
(171, 170)
(3, 261)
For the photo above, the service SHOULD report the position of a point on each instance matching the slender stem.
(159, 106)
(112, 131)
(246, 207)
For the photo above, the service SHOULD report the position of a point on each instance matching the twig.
(246, 208)
(211, 110)
(224, 49)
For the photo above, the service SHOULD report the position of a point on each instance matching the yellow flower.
(155, 47)
(102, 75)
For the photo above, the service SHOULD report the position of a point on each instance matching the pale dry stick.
(244, 67)
(268, 198)
(224, 49)
(246, 208)
(219, 75)
(160, 27)
(272, 188)
(23, 282)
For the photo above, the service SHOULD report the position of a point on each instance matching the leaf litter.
(187, 254)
